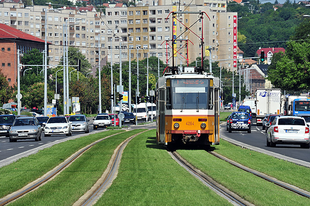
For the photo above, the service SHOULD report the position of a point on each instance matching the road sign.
(121, 116)
(21, 96)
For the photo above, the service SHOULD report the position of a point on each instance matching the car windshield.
(291, 121)
(102, 117)
(57, 120)
(271, 118)
(42, 119)
(112, 116)
(139, 110)
(240, 116)
(6, 119)
(244, 110)
(22, 122)
(76, 118)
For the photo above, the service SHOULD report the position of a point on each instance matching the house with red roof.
(12, 40)
(268, 53)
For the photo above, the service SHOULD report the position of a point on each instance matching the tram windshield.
(189, 93)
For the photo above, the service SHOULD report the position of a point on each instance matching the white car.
(58, 125)
(288, 130)
(102, 120)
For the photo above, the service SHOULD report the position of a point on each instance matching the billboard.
(125, 97)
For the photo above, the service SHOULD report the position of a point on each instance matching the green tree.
(292, 70)
(6, 91)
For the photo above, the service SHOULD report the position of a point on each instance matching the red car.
(112, 118)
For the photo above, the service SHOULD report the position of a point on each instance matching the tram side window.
(211, 99)
(168, 99)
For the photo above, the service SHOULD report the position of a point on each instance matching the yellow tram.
(187, 108)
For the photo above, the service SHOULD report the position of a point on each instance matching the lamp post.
(26, 70)
(56, 80)
(45, 65)
(99, 70)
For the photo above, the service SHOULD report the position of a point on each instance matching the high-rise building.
(146, 28)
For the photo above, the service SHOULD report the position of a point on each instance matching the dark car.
(6, 121)
(239, 121)
(42, 120)
(269, 121)
(247, 109)
(227, 121)
(129, 117)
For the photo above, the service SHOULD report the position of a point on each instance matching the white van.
(152, 110)
(140, 111)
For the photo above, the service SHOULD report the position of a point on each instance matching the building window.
(3, 49)
(9, 49)
(3, 64)
(130, 13)
(138, 12)
(9, 64)
(159, 11)
(144, 12)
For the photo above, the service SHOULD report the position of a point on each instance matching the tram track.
(57, 170)
(282, 184)
(209, 182)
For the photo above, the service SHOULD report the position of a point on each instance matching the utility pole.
(129, 92)
(147, 84)
(112, 110)
(120, 80)
(158, 69)
(99, 70)
(45, 67)
(64, 67)
(18, 83)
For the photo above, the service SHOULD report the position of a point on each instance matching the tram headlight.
(176, 125)
(203, 125)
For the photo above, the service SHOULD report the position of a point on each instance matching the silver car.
(79, 123)
(26, 128)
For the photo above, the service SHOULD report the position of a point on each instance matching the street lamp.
(56, 79)
(26, 70)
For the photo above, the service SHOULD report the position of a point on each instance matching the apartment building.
(143, 30)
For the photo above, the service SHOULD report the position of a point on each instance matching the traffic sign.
(121, 116)
(20, 96)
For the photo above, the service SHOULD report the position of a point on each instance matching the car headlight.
(65, 127)
(33, 130)
(13, 131)
(5, 127)
(46, 127)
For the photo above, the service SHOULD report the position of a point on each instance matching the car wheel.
(263, 127)
(272, 144)
(87, 131)
(249, 131)
(12, 140)
(229, 129)
(268, 143)
(42, 135)
(95, 127)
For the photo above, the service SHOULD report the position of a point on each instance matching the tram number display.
(182, 82)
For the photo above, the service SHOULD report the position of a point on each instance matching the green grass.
(25, 170)
(78, 178)
(248, 186)
(149, 176)
(280, 169)
(224, 115)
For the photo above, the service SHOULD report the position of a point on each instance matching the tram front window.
(189, 93)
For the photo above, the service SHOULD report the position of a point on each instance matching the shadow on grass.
(152, 143)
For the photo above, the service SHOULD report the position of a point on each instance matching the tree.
(292, 70)
(35, 96)
(6, 91)
(74, 55)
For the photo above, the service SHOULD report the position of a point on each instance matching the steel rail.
(48, 176)
(91, 197)
(209, 182)
(284, 185)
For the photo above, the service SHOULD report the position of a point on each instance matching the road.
(258, 139)
(12, 151)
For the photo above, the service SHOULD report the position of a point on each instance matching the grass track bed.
(280, 169)
(25, 170)
(248, 186)
(78, 178)
(149, 176)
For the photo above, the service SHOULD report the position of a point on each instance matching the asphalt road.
(258, 139)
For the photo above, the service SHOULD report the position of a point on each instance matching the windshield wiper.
(183, 101)
(197, 103)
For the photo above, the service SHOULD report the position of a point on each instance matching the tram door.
(216, 115)
(162, 111)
